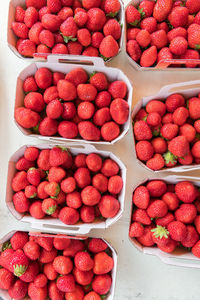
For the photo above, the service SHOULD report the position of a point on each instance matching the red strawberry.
(20, 30)
(35, 3)
(54, 292)
(19, 263)
(84, 37)
(186, 213)
(191, 237)
(18, 290)
(186, 191)
(168, 218)
(46, 37)
(23, 164)
(32, 250)
(144, 150)
(115, 184)
(49, 271)
(65, 13)
(112, 27)
(19, 181)
(148, 57)
(21, 202)
(30, 85)
(146, 7)
(194, 109)
(61, 242)
(6, 279)
(162, 9)
(31, 16)
(132, 33)
(40, 280)
(169, 131)
(197, 223)
(43, 159)
(133, 16)
(19, 14)
(18, 240)
(163, 26)
(50, 94)
(194, 36)
(97, 245)
(142, 131)
(157, 209)
(78, 293)
(80, 18)
(141, 197)
(167, 118)
(156, 188)
(6, 258)
(47, 256)
(26, 117)
(69, 29)
(96, 19)
(100, 182)
(37, 293)
(146, 239)
(51, 22)
(188, 131)
(49, 206)
(179, 146)
(63, 265)
(54, 5)
(74, 48)
(178, 45)
(195, 150)
(87, 214)
(179, 31)
(74, 247)
(97, 38)
(159, 145)
(156, 162)
(34, 33)
(111, 7)
(88, 131)
(192, 6)
(31, 272)
(58, 156)
(177, 230)
(150, 24)
(66, 90)
(171, 200)
(196, 249)
(43, 77)
(69, 215)
(90, 196)
(101, 284)
(136, 230)
(66, 283)
(34, 101)
(134, 50)
(159, 39)
(174, 101)
(103, 263)
(33, 176)
(169, 246)
(140, 215)
(109, 206)
(83, 277)
(109, 47)
(143, 38)
(178, 16)
(36, 211)
(190, 54)
(26, 48)
(160, 235)
(31, 153)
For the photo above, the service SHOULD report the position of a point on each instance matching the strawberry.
(50, 94)
(48, 127)
(132, 33)
(159, 39)
(43, 78)
(191, 237)
(18, 290)
(35, 292)
(118, 89)
(150, 24)
(171, 200)
(110, 167)
(156, 106)
(6, 279)
(66, 90)
(103, 263)
(61, 242)
(26, 48)
(49, 206)
(54, 109)
(164, 54)
(31, 16)
(101, 284)
(74, 48)
(179, 31)
(51, 22)
(85, 110)
(19, 263)
(108, 47)
(168, 218)
(100, 182)
(66, 283)
(178, 16)
(115, 184)
(169, 246)
(47, 256)
(143, 38)
(134, 50)
(119, 110)
(160, 235)
(36, 211)
(19, 182)
(74, 247)
(18, 240)
(156, 162)
(62, 265)
(177, 230)
(43, 159)
(83, 277)
(78, 293)
(157, 209)
(186, 213)
(84, 37)
(163, 26)
(167, 118)
(26, 117)
(65, 13)
(196, 249)
(136, 230)
(30, 85)
(97, 38)
(141, 216)
(146, 239)
(111, 7)
(170, 159)
(40, 280)
(32, 250)
(97, 245)
(162, 9)
(68, 185)
(34, 33)
(54, 292)
(178, 45)
(169, 131)
(141, 197)
(34, 101)
(109, 206)
(67, 129)
(20, 30)
(33, 176)
(69, 215)
(156, 188)
(188, 131)
(87, 214)
(90, 196)
(159, 145)
(192, 6)
(186, 191)
(142, 131)
(69, 111)
(193, 106)
(58, 155)
(35, 3)
(194, 36)
(19, 14)
(69, 29)
(174, 101)
(88, 131)
(149, 57)
(23, 164)
(46, 37)
(31, 153)
(54, 5)
(179, 146)
(190, 54)
(49, 271)
(74, 200)
(146, 7)
(96, 19)
(80, 18)
(197, 223)
(133, 16)
(31, 272)
(195, 149)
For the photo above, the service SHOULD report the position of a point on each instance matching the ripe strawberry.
(186, 191)
(109, 206)
(149, 57)
(23, 164)
(141, 197)
(50, 272)
(191, 237)
(90, 196)
(34, 101)
(40, 280)
(136, 230)
(108, 47)
(54, 292)
(43, 78)
(144, 150)
(101, 284)
(32, 250)
(143, 38)
(168, 218)
(19, 181)
(97, 245)
(49, 206)
(197, 125)
(58, 155)
(141, 216)
(67, 129)
(156, 162)
(195, 149)
(179, 146)
(103, 263)
(96, 19)
(61, 242)
(35, 292)
(36, 211)
(160, 235)
(142, 131)
(54, 5)
(163, 26)
(26, 48)
(113, 28)
(87, 214)
(83, 277)
(52, 189)
(19, 263)
(90, 51)
(50, 94)
(66, 90)
(69, 29)
(74, 48)
(46, 37)
(188, 131)
(133, 16)
(20, 30)
(78, 293)
(31, 272)
(18, 290)
(171, 200)
(69, 215)
(169, 131)
(156, 188)
(177, 230)
(100, 182)
(186, 213)
(119, 110)
(31, 16)
(51, 22)
(197, 223)
(111, 7)
(30, 85)
(66, 283)
(174, 101)
(190, 54)
(84, 37)
(26, 117)
(196, 249)
(43, 159)
(178, 45)
(88, 131)
(19, 14)
(74, 247)
(147, 8)
(194, 36)
(18, 240)
(150, 24)
(194, 109)
(179, 31)
(115, 184)
(162, 9)
(63, 265)
(80, 18)
(169, 247)
(159, 145)
(132, 33)
(21, 202)
(47, 256)
(146, 239)
(167, 118)
(134, 50)
(159, 39)
(97, 38)
(33, 176)
(77, 76)
(6, 279)
(192, 6)
(65, 13)
(157, 209)
(85, 110)
(178, 16)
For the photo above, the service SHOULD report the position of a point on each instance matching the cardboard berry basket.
(55, 225)
(110, 296)
(188, 89)
(165, 64)
(65, 64)
(180, 256)
(12, 39)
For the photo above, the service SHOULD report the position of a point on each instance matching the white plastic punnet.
(163, 64)
(12, 39)
(180, 257)
(4, 294)
(55, 225)
(187, 89)
(65, 64)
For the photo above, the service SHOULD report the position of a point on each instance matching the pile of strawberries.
(88, 27)
(167, 133)
(54, 183)
(74, 105)
(167, 216)
(163, 29)
(55, 267)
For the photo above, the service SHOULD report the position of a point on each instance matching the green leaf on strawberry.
(6, 245)
(35, 129)
(92, 74)
(160, 232)
(68, 38)
(112, 15)
(135, 24)
(105, 58)
(51, 209)
(169, 157)
(141, 11)
(19, 270)
(197, 47)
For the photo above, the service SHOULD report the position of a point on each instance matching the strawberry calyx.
(105, 58)
(112, 14)
(197, 47)
(92, 74)
(35, 129)
(51, 210)
(145, 118)
(19, 270)
(169, 157)
(64, 149)
(33, 196)
(6, 245)
(104, 296)
(135, 23)
(156, 132)
(142, 13)
(197, 136)
(160, 232)
(31, 169)
(68, 38)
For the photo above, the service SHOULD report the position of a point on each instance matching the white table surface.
(140, 277)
